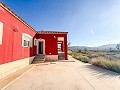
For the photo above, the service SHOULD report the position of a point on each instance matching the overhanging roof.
(21, 20)
(51, 32)
(15, 15)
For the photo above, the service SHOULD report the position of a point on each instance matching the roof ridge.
(15, 15)
(25, 23)
(51, 32)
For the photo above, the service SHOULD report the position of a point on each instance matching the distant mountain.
(113, 46)
(78, 47)
(103, 47)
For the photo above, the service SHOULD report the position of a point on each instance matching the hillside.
(103, 47)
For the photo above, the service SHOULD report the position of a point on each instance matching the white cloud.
(92, 32)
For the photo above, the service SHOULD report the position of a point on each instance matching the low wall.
(52, 57)
(11, 67)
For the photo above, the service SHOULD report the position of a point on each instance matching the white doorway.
(41, 46)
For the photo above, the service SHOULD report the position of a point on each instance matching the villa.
(20, 43)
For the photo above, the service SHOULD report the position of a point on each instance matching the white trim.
(1, 32)
(40, 40)
(11, 67)
(29, 38)
(35, 42)
(60, 38)
(37, 46)
(59, 42)
(25, 34)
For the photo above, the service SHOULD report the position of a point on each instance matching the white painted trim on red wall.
(40, 40)
(1, 32)
(35, 42)
(23, 38)
(60, 38)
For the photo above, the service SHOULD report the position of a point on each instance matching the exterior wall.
(11, 48)
(62, 46)
(1, 32)
(8, 68)
(66, 48)
(52, 57)
(51, 43)
(13, 55)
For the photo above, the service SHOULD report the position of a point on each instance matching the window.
(1, 32)
(26, 40)
(26, 43)
(59, 46)
(35, 42)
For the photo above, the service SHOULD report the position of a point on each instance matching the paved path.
(67, 76)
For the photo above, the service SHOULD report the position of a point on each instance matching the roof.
(51, 32)
(21, 20)
(15, 15)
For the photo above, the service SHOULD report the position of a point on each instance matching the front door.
(40, 47)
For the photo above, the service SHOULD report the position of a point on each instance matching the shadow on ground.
(101, 72)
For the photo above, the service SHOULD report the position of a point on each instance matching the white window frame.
(1, 32)
(26, 37)
(35, 42)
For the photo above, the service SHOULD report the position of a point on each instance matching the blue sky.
(89, 22)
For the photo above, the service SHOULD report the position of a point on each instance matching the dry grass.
(97, 60)
(78, 56)
(113, 65)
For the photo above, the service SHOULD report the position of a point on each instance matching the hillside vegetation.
(103, 47)
(104, 59)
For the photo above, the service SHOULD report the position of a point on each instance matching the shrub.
(70, 52)
(113, 65)
(79, 56)
(98, 59)
(79, 51)
(84, 59)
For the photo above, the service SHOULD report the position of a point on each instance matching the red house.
(20, 43)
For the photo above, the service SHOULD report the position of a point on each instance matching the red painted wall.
(11, 48)
(51, 43)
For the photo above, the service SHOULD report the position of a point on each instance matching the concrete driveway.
(67, 76)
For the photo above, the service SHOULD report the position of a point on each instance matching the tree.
(85, 49)
(118, 47)
(69, 44)
(79, 51)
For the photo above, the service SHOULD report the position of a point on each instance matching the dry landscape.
(105, 59)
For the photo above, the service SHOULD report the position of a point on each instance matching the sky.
(88, 22)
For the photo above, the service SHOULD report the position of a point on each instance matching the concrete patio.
(68, 75)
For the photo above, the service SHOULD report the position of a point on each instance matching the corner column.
(65, 47)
